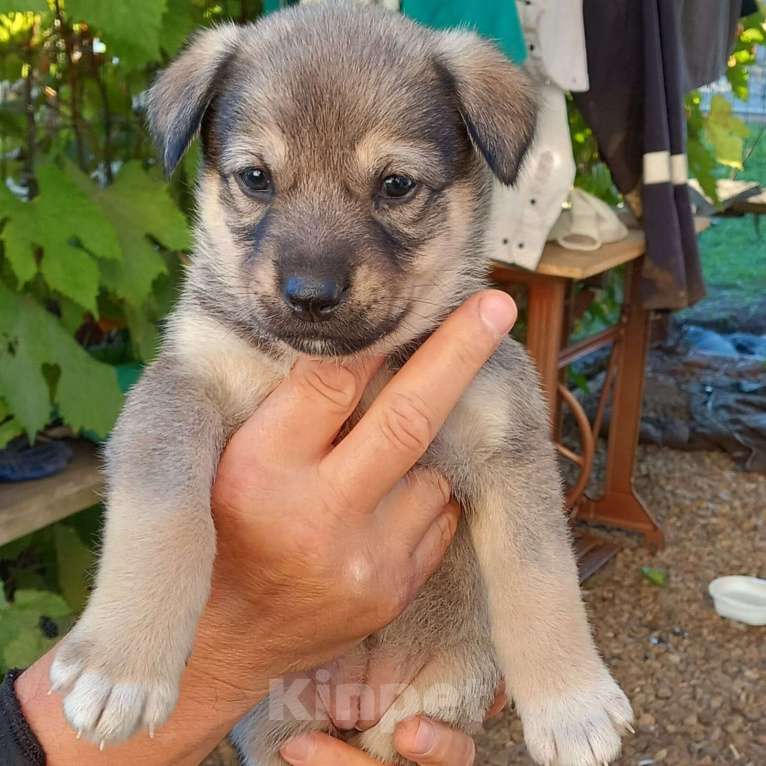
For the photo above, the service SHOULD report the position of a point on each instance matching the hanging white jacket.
(555, 35)
(522, 215)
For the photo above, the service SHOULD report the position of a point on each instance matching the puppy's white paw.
(584, 728)
(110, 694)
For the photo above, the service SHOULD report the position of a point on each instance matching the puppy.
(348, 162)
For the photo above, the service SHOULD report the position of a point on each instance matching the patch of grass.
(732, 249)
(734, 255)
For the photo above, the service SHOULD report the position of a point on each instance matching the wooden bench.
(27, 506)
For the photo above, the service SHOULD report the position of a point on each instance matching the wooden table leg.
(620, 505)
(545, 324)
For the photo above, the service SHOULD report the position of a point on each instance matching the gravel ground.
(697, 681)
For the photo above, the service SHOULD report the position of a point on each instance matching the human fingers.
(402, 421)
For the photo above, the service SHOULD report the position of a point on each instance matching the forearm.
(217, 689)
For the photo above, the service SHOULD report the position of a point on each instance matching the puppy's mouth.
(342, 340)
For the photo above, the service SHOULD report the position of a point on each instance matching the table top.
(26, 506)
(755, 204)
(559, 261)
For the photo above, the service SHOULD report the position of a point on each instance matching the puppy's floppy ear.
(496, 100)
(182, 93)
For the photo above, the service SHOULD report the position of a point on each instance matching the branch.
(29, 111)
(74, 103)
(106, 111)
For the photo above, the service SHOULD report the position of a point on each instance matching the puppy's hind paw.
(582, 729)
(106, 700)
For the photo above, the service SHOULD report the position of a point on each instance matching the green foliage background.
(92, 238)
(91, 232)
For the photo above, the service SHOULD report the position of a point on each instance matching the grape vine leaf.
(179, 21)
(727, 132)
(138, 205)
(86, 391)
(131, 30)
(9, 6)
(58, 224)
(21, 635)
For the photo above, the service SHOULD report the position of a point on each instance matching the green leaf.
(138, 205)
(657, 577)
(73, 273)
(72, 315)
(22, 383)
(86, 392)
(60, 221)
(75, 560)
(726, 132)
(21, 637)
(752, 35)
(179, 21)
(130, 28)
(144, 334)
(19, 250)
(9, 6)
(65, 203)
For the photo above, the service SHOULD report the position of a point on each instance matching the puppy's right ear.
(182, 93)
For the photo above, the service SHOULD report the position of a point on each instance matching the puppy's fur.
(332, 99)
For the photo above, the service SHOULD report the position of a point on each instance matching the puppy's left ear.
(496, 100)
(182, 93)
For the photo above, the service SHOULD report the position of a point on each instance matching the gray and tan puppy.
(348, 159)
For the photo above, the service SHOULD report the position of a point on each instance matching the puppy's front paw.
(583, 728)
(111, 690)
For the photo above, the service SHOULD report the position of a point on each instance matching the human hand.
(425, 742)
(326, 543)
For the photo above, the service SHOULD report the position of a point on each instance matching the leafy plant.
(90, 230)
(44, 584)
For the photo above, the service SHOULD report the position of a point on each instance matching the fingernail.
(423, 738)
(298, 750)
(498, 312)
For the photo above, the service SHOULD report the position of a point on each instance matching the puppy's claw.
(79, 734)
(629, 728)
(151, 731)
(101, 745)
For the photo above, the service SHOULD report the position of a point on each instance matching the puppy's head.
(347, 155)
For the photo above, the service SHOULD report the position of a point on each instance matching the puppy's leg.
(120, 665)
(572, 710)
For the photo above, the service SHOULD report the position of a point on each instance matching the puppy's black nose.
(313, 299)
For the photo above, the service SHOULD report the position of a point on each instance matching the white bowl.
(740, 598)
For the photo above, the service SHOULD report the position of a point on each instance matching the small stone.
(661, 755)
(691, 720)
(646, 721)
(664, 693)
(734, 725)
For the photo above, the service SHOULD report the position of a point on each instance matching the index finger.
(401, 423)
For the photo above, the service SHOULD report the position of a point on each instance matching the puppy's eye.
(255, 181)
(398, 186)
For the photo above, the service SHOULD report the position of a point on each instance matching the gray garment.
(708, 29)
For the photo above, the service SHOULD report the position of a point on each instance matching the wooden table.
(548, 289)
(27, 506)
